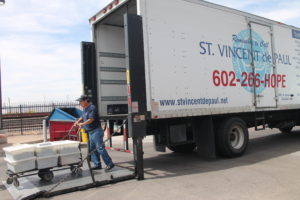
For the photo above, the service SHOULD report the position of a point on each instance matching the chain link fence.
(29, 117)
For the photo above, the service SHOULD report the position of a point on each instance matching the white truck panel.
(198, 60)
(141, 10)
(291, 46)
(111, 39)
(111, 67)
(267, 98)
(108, 62)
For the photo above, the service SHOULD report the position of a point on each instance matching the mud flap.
(205, 137)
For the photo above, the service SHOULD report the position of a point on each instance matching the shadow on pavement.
(166, 165)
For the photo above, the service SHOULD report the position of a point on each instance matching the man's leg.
(94, 153)
(101, 148)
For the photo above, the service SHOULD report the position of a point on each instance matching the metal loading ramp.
(32, 187)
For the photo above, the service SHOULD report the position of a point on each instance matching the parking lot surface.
(268, 170)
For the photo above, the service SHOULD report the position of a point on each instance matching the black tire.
(41, 172)
(286, 129)
(9, 180)
(73, 170)
(47, 176)
(78, 171)
(39, 175)
(16, 182)
(232, 137)
(185, 148)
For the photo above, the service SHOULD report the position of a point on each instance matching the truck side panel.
(288, 63)
(202, 60)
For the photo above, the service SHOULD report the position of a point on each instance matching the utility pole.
(1, 119)
(2, 2)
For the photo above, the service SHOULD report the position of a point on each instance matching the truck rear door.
(89, 70)
(111, 62)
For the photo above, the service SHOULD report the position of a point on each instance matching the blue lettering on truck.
(196, 101)
(248, 49)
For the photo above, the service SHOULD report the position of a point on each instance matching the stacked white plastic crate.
(69, 152)
(46, 155)
(20, 158)
(57, 153)
(26, 157)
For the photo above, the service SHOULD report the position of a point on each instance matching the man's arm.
(89, 121)
(77, 122)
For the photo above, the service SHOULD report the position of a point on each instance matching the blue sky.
(40, 43)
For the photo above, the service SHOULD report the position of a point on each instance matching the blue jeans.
(96, 142)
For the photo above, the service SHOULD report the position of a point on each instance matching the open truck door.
(120, 72)
(89, 70)
(136, 84)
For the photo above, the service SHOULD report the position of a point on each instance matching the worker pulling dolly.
(90, 122)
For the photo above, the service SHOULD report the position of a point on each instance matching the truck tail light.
(110, 6)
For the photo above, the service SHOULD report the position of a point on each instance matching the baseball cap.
(83, 98)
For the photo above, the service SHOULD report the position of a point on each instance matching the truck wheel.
(185, 148)
(72, 169)
(47, 176)
(232, 137)
(41, 173)
(16, 182)
(286, 129)
(78, 171)
(9, 180)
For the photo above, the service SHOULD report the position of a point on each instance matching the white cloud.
(238, 4)
(283, 11)
(40, 48)
(282, 14)
(30, 71)
(38, 16)
(31, 23)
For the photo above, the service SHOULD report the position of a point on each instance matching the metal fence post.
(44, 130)
(1, 117)
(21, 118)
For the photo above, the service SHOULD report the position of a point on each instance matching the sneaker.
(107, 168)
(96, 168)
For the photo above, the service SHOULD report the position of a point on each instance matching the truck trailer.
(193, 74)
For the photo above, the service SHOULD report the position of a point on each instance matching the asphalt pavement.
(268, 170)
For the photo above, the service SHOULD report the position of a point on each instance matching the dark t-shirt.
(91, 113)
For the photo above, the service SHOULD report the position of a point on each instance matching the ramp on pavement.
(32, 187)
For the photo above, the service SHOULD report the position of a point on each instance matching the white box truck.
(194, 74)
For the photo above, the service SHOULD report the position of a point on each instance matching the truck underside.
(225, 134)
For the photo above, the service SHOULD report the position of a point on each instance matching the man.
(90, 121)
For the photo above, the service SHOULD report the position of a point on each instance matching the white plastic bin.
(21, 165)
(19, 152)
(71, 158)
(67, 147)
(47, 161)
(46, 149)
